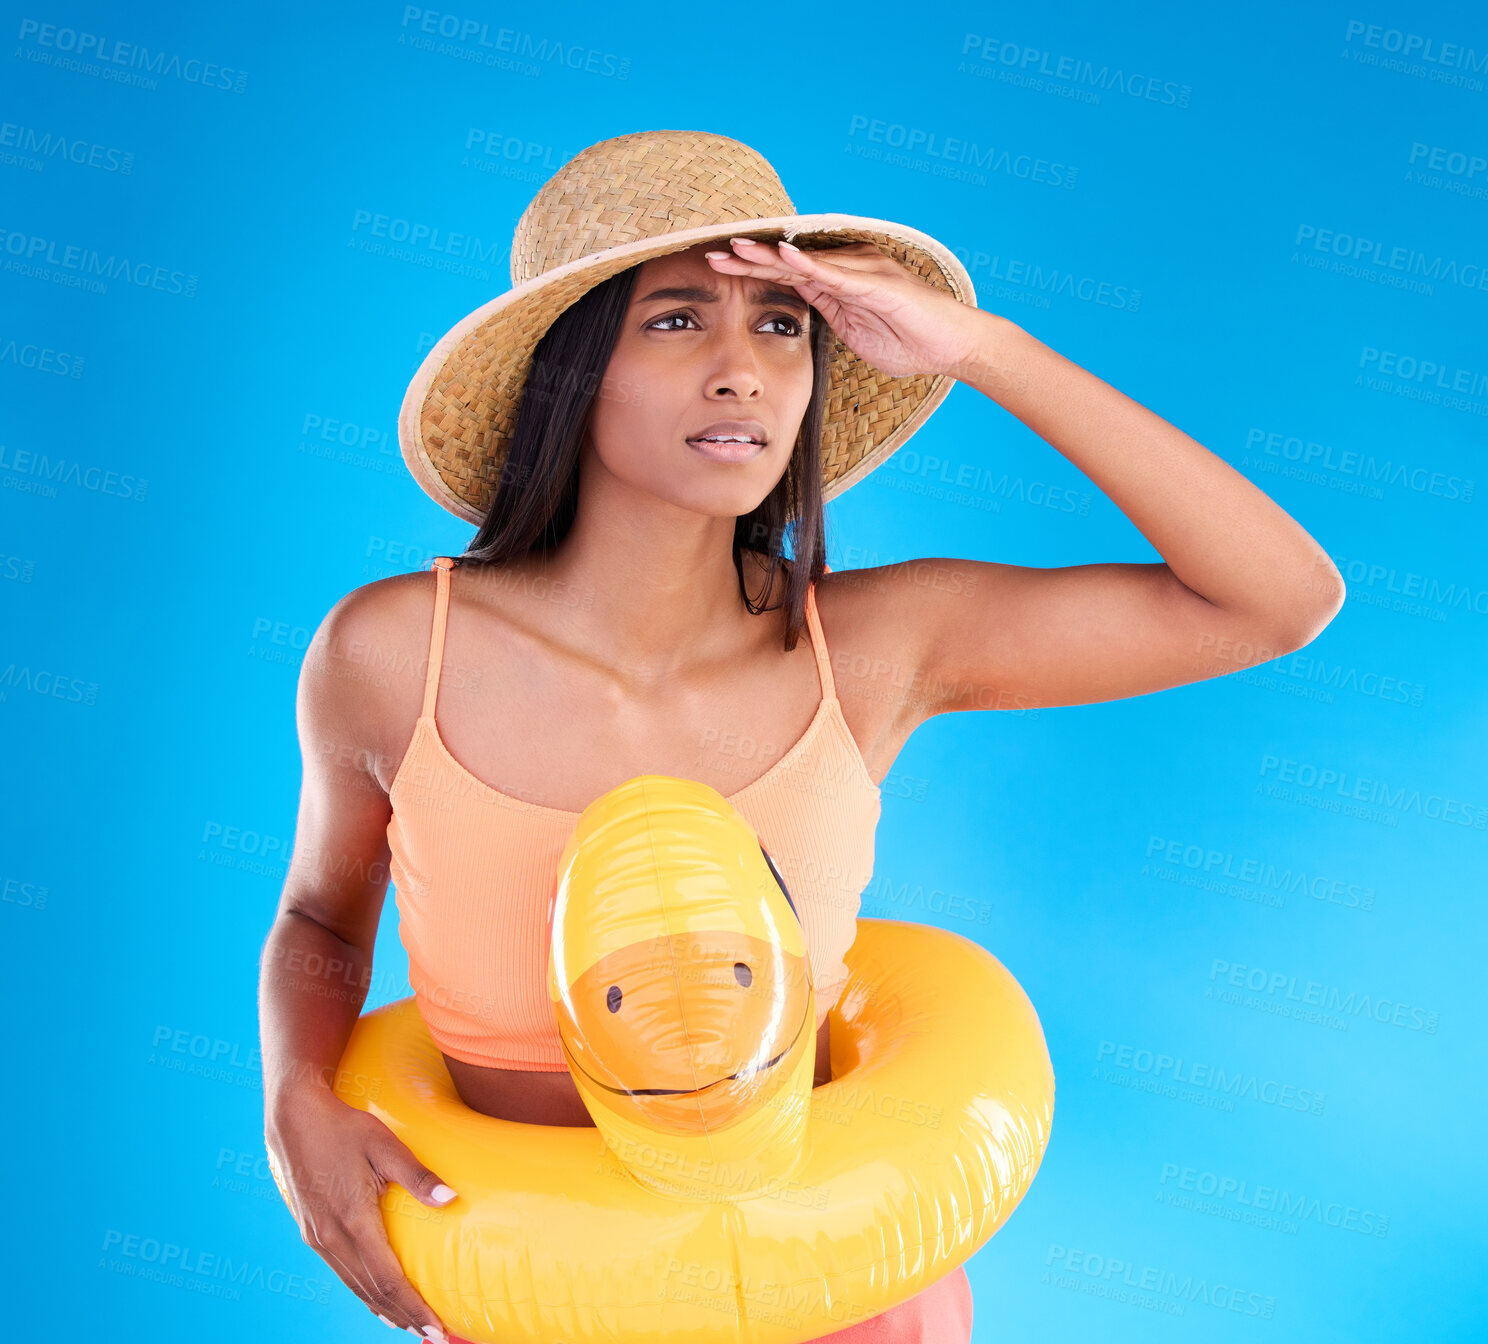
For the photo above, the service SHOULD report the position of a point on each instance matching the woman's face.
(727, 348)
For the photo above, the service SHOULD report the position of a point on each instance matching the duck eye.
(612, 999)
(743, 974)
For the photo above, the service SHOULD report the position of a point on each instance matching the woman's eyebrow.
(763, 294)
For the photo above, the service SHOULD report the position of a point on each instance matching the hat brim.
(462, 392)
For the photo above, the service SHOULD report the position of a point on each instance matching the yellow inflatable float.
(719, 1198)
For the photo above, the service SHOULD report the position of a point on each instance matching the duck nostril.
(743, 974)
(612, 999)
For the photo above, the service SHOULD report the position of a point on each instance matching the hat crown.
(642, 185)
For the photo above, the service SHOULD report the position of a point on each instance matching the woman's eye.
(656, 324)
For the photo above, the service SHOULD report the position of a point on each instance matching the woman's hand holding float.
(880, 309)
(334, 1161)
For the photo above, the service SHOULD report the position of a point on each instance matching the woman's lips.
(726, 452)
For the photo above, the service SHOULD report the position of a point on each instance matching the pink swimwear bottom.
(941, 1314)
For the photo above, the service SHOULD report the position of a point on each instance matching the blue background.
(1120, 858)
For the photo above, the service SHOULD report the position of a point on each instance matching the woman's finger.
(864, 257)
(782, 256)
(395, 1161)
(774, 265)
(340, 1254)
(837, 276)
(403, 1303)
(756, 259)
(772, 268)
(849, 256)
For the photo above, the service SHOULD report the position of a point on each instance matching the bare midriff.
(531, 1098)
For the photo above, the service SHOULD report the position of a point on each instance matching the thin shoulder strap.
(442, 565)
(819, 644)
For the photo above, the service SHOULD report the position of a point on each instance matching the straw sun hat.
(614, 205)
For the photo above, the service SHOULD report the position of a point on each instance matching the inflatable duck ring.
(719, 1199)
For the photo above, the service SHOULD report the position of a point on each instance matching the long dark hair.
(537, 494)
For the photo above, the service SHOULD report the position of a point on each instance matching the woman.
(626, 608)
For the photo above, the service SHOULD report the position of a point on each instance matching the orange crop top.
(475, 871)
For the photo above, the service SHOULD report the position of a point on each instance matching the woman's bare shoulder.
(363, 673)
(856, 613)
(373, 648)
(373, 623)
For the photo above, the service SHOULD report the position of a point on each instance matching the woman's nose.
(735, 367)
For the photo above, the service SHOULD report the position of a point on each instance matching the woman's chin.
(716, 499)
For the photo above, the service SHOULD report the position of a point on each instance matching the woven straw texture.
(615, 205)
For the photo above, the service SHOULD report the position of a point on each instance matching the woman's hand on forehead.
(879, 308)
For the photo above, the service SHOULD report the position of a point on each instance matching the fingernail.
(434, 1332)
(788, 247)
(715, 254)
(385, 1321)
(442, 1193)
(748, 242)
